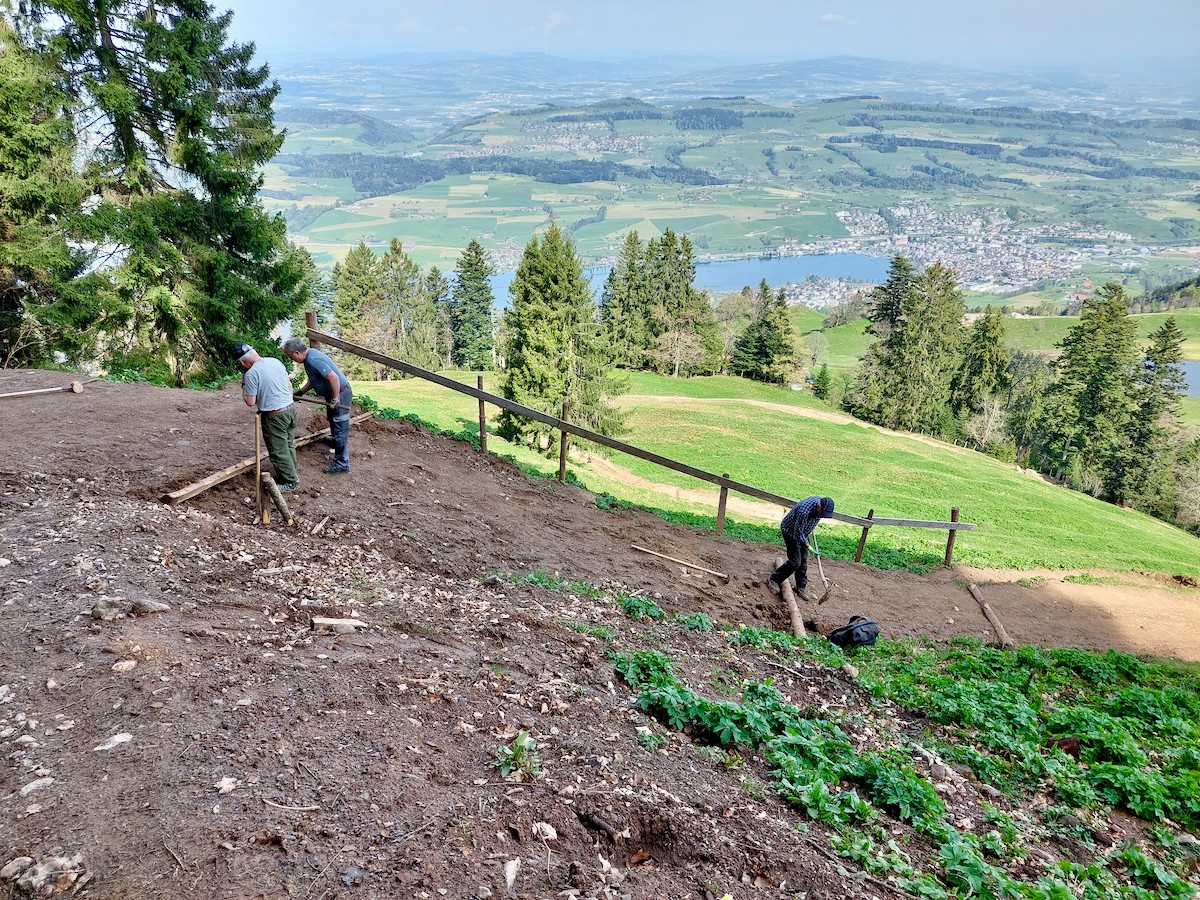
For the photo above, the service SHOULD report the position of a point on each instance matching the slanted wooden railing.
(565, 427)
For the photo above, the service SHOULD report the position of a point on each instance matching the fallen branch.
(291, 808)
(1001, 635)
(682, 562)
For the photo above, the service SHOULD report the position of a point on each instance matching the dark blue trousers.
(797, 562)
(339, 430)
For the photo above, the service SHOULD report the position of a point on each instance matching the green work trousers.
(279, 434)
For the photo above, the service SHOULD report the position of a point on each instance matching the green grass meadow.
(1023, 521)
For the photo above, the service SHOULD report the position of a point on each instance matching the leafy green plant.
(596, 631)
(697, 622)
(649, 738)
(521, 755)
(637, 606)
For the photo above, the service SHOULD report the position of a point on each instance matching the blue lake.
(1191, 369)
(723, 276)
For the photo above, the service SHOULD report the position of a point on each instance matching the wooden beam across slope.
(603, 439)
(199, 487)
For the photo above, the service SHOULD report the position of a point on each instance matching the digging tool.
(318, 400)
(821, 569)
(75, 387)
(682, 562)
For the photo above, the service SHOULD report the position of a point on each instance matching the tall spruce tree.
(403, 311)
(554, 348)
(1154, 434)
(682, 327)
(45, 305)
(356, 278)
(179, 123)
(1095, 393)
(884, 303)
(905, 378)
(925, 345)
(766, 349)
(624, 305)
(471, 309)
(437, 289)
(984, 368)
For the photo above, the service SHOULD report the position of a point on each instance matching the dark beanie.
(826, 507)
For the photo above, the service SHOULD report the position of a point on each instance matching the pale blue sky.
(1022, 32)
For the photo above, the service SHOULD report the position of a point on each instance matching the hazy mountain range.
(435, 89)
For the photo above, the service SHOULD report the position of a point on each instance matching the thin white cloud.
(837, 19)
(408, 25)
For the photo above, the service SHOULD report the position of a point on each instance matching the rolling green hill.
(1024, 521)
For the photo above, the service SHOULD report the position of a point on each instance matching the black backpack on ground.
(860, 632)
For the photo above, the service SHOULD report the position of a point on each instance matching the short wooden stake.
(1001, 635)
(482, 418)
(310, 322)
(862, 538)
(258, 498)
(721, 507)
(950, 539)
(562, 445)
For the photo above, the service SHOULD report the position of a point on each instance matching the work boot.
(288, 485)
(803, 594)
(773, 585)
(336, 470)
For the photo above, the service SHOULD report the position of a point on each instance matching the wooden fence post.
(562, 445)
(862, 539)
(482, 419)
(953, 532)
(721, 507)
(310, 321)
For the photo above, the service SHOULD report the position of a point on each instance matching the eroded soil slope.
(223, 748)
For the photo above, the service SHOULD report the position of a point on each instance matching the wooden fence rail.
(566, 427)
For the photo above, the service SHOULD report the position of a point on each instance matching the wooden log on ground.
(1001, 635)
(342, 626)
(210, 481)
(276, 495)
(682, 562)
(789, 597)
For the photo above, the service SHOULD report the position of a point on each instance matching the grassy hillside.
(1043, 334)
(1024, 522)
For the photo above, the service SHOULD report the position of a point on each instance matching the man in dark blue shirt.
(324, 377)
(797, 527)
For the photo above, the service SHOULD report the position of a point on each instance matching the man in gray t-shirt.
(267, 390)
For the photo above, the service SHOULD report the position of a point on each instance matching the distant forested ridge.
(378, 175)
(375, 132)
